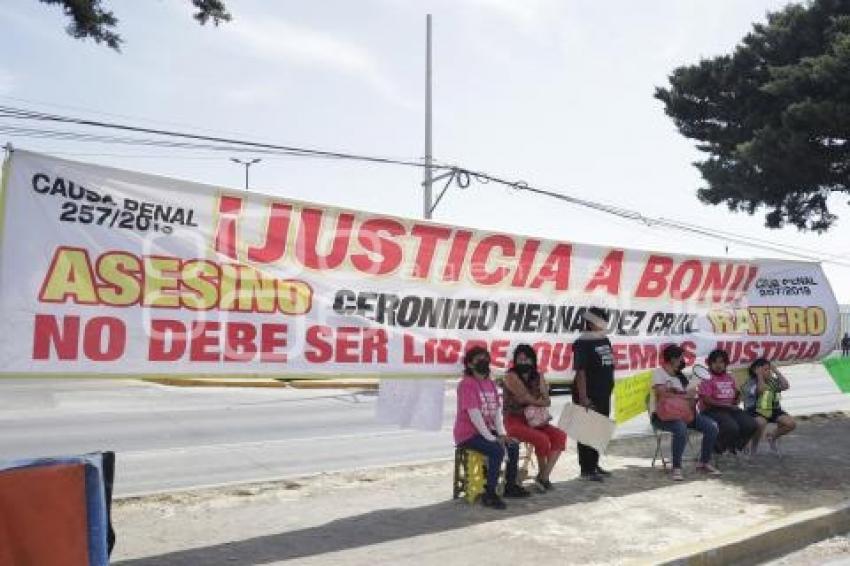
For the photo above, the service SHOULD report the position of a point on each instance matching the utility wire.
(135, 118)
(23, 114)
(461, 176)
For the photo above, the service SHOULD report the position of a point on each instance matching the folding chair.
(527, 462)
(662, 435)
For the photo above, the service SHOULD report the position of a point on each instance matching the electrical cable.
(461, 176)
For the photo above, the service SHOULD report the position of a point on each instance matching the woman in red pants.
(526, 398)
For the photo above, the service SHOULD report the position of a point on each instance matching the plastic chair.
(470, 474)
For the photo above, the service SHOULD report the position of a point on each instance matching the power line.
(136, 118)
(23, 114)
(462, 177)
(628, 214)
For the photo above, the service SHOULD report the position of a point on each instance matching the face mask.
(681, 365)
(481, 367)
(523, 367)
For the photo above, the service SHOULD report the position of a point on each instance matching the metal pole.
(428, 181)
(247, 165)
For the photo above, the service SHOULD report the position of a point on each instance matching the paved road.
(176, 438)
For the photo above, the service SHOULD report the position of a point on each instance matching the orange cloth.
(43, 516)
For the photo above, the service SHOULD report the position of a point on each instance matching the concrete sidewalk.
(404, 515)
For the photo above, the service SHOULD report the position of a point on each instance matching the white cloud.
(527, 14)
(7, 81)
(252, 94)
(277, 39)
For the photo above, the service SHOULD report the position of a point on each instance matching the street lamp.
(247, 165)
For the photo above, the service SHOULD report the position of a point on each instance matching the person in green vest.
(762, 393)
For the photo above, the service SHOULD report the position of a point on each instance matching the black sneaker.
(515, 491)
(592, 476)
(604, 473)
(493, 501)
(545, 484)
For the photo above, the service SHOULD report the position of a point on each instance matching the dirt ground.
(405, 515)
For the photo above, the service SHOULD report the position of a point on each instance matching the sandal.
(707, 468)
(771, 441)
(543, 483)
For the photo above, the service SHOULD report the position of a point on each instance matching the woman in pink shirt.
(479, 426)
(719, 402)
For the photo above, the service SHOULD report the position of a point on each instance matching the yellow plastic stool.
(470, 475)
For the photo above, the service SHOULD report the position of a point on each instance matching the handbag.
(674, 408)
(536, 416)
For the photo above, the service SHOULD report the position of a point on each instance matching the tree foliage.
(89, 19)
(773, 117)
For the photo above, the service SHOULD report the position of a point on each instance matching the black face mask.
(482, 367)
(681, 365)
(523, 367)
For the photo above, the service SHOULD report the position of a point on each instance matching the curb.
(269, 383)
(200, 382)
(332, 384)
(769, 540)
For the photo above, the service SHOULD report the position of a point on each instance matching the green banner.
(839, 369)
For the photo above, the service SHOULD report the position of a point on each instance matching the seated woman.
(479, 426)
(526, 399)
(668, 383)
(719, 401)
(761, 401)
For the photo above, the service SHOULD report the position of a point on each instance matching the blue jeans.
(679, 430)
(495, 453)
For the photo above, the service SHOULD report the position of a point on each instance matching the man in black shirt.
(593, 362)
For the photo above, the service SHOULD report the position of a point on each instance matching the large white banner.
(111, 272)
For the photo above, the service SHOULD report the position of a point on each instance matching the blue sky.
(556, 93)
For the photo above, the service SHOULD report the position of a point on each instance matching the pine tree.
(90, 20)
(773, 117)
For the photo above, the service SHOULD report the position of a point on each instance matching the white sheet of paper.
(587, 426)
(411, 403)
